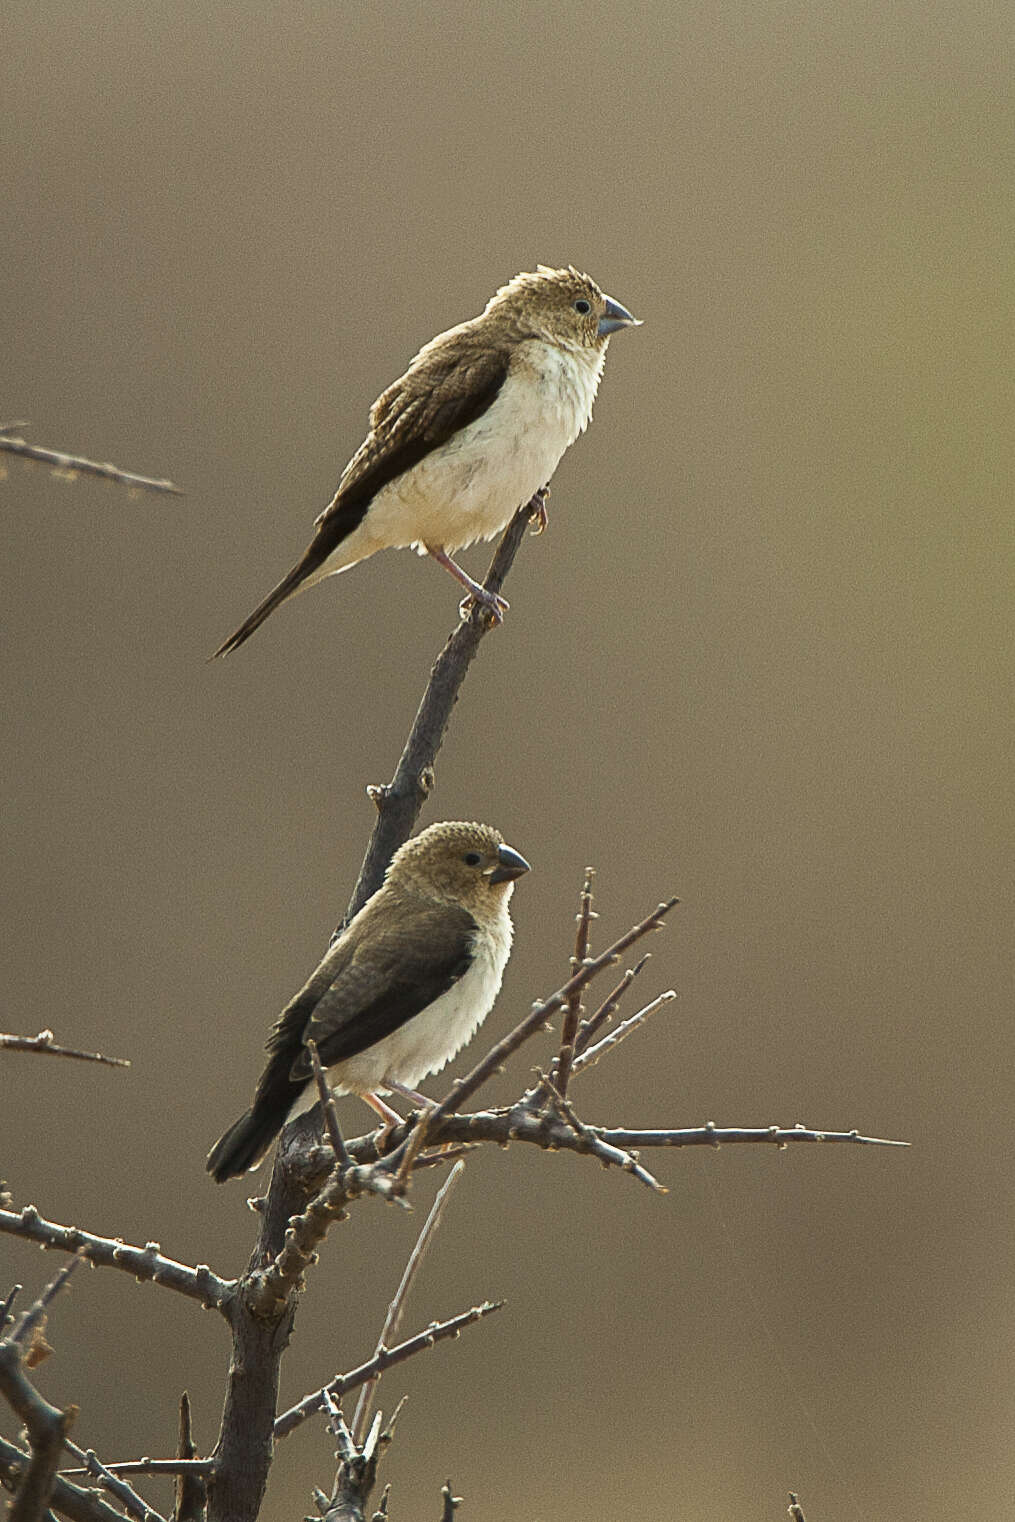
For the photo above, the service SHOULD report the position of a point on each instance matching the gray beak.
(511, 866)
(616, 317)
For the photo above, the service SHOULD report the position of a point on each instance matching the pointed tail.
(244, 1144)
(308, 563)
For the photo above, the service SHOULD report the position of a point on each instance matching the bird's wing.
(388, 977)
(448, 385)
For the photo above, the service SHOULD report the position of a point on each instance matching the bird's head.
(465, 864)
(561, 306)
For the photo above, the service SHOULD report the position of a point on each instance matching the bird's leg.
(495, 604)
(538, 516)
(389, 1118)
(413, 1095)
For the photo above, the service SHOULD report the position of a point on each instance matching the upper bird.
(476, 425)
(405, 985)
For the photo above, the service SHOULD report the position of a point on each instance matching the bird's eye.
(472, 858)
(583, 306)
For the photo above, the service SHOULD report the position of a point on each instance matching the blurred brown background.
(761, 659)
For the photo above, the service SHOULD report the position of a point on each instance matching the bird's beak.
(616, 317)
(509, 866)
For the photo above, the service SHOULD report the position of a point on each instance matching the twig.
(36, 1313)
(7, 1305)
(572, 1011)
(127, 1496)
(145, 1263)
(794, 1509)
(450, 1503)
(592, 1054)
(191, 1490)
(329, 1107)
(74, 1501)
(179, 1466)
(538, 1016)
(608, 1156)
(72, 465)
(47, 1426)
(393, 1319)
(399, 801)
(588, 1028)
(267, 1290)
(44, 1042)
(385, 1358)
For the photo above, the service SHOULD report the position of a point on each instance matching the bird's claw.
(539, 517)
(490, 602)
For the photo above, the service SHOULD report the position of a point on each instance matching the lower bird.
(473, 429)
(404, 987)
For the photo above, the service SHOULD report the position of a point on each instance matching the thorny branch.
(45, 1042)
(68, 466)
(144, 1263)
(399, 802)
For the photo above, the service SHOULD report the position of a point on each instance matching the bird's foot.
(490, 602)
(539, 517)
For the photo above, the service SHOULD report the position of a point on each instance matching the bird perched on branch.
(404, 987)
(472, 430)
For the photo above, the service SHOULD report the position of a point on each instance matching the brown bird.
(476, 425)
(404, 987)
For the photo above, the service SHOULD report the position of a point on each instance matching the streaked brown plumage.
(475, 426)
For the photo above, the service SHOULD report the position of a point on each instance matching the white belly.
(470, 487)
(428, 1041)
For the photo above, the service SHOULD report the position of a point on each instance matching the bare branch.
(561, 1070)
(44, 1042)
(592, 1054)
(399, 801)
(145, 1263)
(191, 1491)
(36, 1313)
(6, 1306)
(538, 1016)
(47, 1426)
(191, 1466)
(794, 1509)
(450, 1503)
(71, 465)
(328, 1106)
(81, 1505)
(385, 1358)
(608, 1156)
(588, 1028)
(393, 1319)
(127, 1496)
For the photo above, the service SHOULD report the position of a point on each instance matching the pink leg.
(496, 605)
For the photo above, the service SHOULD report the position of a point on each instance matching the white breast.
(430, 1039)
(470, 487)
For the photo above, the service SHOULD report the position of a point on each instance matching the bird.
(473, 430)
(403, 987)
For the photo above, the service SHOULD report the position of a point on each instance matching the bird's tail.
(245, 1143)
(300, 575)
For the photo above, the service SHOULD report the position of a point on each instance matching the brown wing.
(449, 384)
(369, 984)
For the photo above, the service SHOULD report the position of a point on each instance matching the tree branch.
(44, 1042)
(144, 1263)
(384, 1358)
(71, 465)
(400, 801)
